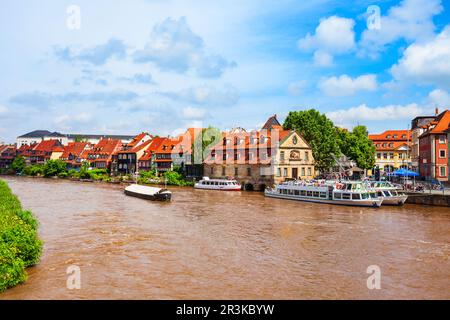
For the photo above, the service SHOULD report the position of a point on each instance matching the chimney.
(436, 111)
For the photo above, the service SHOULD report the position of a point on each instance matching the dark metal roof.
(99, 136)
(36, 134)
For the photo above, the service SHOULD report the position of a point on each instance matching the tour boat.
(391, 195)
(218, 184)
(350, 193)
(148, 193)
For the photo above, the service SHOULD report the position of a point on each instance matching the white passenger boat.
(391, 194)
(218, 184)
(148, 193)
(350, 193)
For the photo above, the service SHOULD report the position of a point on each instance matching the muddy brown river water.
(235, 245)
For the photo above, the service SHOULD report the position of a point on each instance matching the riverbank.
(19, 244)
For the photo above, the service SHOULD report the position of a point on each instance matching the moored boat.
(350, 193)
(391, 194)
(148, 193)
(218, 184)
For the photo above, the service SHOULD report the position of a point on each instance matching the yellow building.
(393, 150)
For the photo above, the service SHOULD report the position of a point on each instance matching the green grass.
(19, 243)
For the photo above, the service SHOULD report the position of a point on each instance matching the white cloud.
(3, 109)
(426, 63)
(346, 86)
(323, 59)
(296, 88)
(411, 20)
(364, 113)
(206, 95)
(69, 122)
(334, 35)
(193, 113)
(175, 47)
(439, 98)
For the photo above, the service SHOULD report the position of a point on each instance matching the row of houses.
(256, 157)
(424, 148)
(259, 157)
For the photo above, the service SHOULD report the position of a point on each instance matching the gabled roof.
(74, 148)
(106, 146)
(442, 122)
(151, 148)
(391, 133)
(271, 122)
(47, 146)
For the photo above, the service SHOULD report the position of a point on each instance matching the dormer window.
(395, 136)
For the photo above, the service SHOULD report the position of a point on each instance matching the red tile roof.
(399, 133)
(442, 123)
(151, 148)
(47, 146)
(75, 149)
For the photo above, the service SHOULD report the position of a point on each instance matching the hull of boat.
(394, 200)
(156, 197)
(224, 188)
(375, 203)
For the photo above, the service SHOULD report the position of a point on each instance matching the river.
(228, 245)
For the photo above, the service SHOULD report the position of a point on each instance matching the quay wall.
(429, 199)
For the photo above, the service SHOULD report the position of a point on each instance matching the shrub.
(54, 167)
(19, 244)
(18, 165)
(35, 170)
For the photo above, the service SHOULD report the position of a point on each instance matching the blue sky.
(162, 66)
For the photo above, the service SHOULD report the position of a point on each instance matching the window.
(442, 171)
(441, 153)
(384, 155)
(400, 156)
(212, 171)
(282, 155)
(388, 136)
(391, 155)
(236, 171)
(441, 139)
(303, 171)
(384, 145)
(306, 155)
(395, 136)
(249, 171)
(316, 194)
(378, 155)
(346, 196)
(296, 192)
(223, 171)
(337, 195)
(309, 171)
(391, 145)
(355, 196)
(285, 172)
(278, 172)
(403, 136)
(250, 156)
(302, 193)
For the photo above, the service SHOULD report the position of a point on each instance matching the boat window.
(285, 191)
(296, 192)
(337, 195)
(386, 193)
(309, 193)
(394, 192)
(280, 191)
(303, 193)
(365, 195)
(323, 194)
(316, 194)
(373, 195)
(346, 196)
(356, 196)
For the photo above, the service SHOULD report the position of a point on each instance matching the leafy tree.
(18, 165)
(358, 147)
(203, 143)
(54, 168)
(319, 132)
(84, 170)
